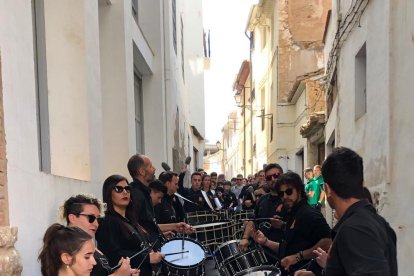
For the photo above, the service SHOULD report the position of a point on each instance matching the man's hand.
(259, 237)
(277, 222)
(287, 261)
(304, 272)
(321, 257)
(183, 227)
(244, 244)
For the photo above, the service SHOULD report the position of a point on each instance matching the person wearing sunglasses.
(268, 206)
(83, 211)
(119, 234)
(306, 229)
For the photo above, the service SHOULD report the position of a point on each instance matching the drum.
(213, 234)
(264, 270)
(226, 251)
(244, 261)
(201, 217)
(190, 263)
(238, 218)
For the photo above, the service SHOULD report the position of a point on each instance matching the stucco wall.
(384, 134)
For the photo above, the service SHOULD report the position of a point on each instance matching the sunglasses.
(91, 218)
(270, 177)
(288, 192)
(120, 189)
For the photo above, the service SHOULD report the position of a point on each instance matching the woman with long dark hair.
(119, 234)
(66, 251)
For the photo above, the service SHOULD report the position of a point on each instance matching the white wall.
(34, 196)
(383, 136)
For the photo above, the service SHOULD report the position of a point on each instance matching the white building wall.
(384, 134)
(34, 196)
(91, 101)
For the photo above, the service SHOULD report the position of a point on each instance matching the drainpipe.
(250, 37)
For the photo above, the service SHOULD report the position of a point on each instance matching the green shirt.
(316, 186)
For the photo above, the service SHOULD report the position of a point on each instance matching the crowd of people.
(140, 215)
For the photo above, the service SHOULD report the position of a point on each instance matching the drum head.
(264, 270)
(194, 256)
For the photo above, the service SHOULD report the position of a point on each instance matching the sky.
(226, 20)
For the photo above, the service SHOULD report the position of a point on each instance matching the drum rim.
(216, 223)
(226, 243)
(185, 266)
(242, 255)
(258, 268)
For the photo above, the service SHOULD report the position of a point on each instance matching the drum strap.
(207, 199)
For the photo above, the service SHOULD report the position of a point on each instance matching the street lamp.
(218, 145)
(238, 98)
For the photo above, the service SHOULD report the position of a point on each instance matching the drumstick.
(169, 254)
(182, 243)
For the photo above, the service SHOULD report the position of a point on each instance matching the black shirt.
(363, 244)
(141, 199)
(266, 208)
(102, 267)
(195, 196)
(169, 210)
(118, 237)
(305, 226)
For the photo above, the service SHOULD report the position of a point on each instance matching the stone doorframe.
(10, 261)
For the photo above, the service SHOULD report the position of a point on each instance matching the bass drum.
(190, 263)
(264, 270)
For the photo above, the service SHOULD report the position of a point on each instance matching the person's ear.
(141, 171)
(328, 190)
(71, 218)
(66, 258)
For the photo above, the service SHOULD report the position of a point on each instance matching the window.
(182, 49)
(174, 24)
(134, 4)
(271, 128)
(139, 122)
(41, 84)
(361, 83)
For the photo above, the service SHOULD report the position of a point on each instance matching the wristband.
(266, 240)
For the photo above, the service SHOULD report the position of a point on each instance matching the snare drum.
(238, 218)
(201, 217)
(213, 234)
(185, 264)
(264, 270)
(227, 250)
(244, 261)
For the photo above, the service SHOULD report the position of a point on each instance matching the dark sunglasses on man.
(120, 189)
(272, 176)
(288, 192)
(91, 218)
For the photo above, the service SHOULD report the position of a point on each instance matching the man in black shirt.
(194, 194)
(170, 210)
(141, 170)
(305, 228)
(363, 241)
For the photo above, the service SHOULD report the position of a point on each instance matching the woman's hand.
(124, 269)
(156, 257)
